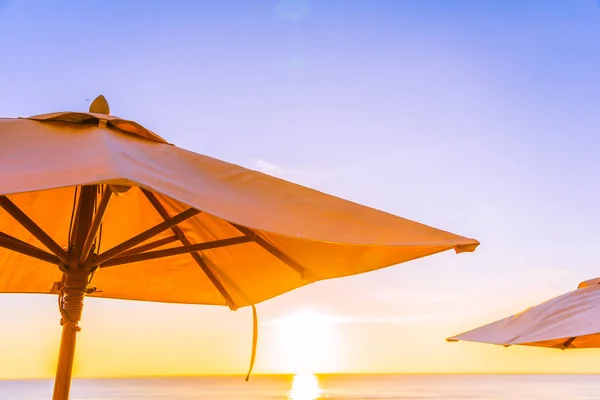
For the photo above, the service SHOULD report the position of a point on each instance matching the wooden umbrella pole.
(71, 306)
(74, 287)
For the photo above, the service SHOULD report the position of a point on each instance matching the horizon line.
(282, 374)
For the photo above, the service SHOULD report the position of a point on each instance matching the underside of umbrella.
(100, 206)
(569, 321)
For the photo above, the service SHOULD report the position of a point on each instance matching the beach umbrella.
(95, 205)
(569, 321)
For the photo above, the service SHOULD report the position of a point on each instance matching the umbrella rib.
(284, 258)
(150, 246)
(16, 245)
(19, 241)
(151, 255)
(198, 258)
(33, 228)
(95, 227)
(568, 342)
(147, 234)
(192, 249)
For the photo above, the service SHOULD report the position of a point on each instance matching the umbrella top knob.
(100, 106)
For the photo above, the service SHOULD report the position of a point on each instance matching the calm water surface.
(309, 387)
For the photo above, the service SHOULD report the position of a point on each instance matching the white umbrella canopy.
(96, 205)
(569, 321)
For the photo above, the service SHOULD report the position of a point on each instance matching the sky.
(479, 118)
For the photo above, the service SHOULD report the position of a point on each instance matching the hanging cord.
(72, 215)
(254, 341)
(99, 239)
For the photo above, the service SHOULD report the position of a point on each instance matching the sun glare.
(306, 342)
(305, 387)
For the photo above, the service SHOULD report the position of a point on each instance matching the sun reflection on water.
(305, 387)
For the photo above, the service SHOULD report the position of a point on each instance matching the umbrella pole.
(71, 306)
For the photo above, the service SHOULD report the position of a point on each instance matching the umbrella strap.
(254, 341)
(70, 304)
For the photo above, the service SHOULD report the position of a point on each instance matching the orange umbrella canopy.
(95, 205)
(569, 321)
(256, 236)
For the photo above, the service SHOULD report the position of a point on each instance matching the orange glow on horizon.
(129, 339)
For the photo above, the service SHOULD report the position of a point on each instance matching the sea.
(313, 387)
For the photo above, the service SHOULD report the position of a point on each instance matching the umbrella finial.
(100, 106)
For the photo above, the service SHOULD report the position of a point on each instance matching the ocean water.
(309, 387)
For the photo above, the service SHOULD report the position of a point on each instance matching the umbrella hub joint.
(74, 266)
